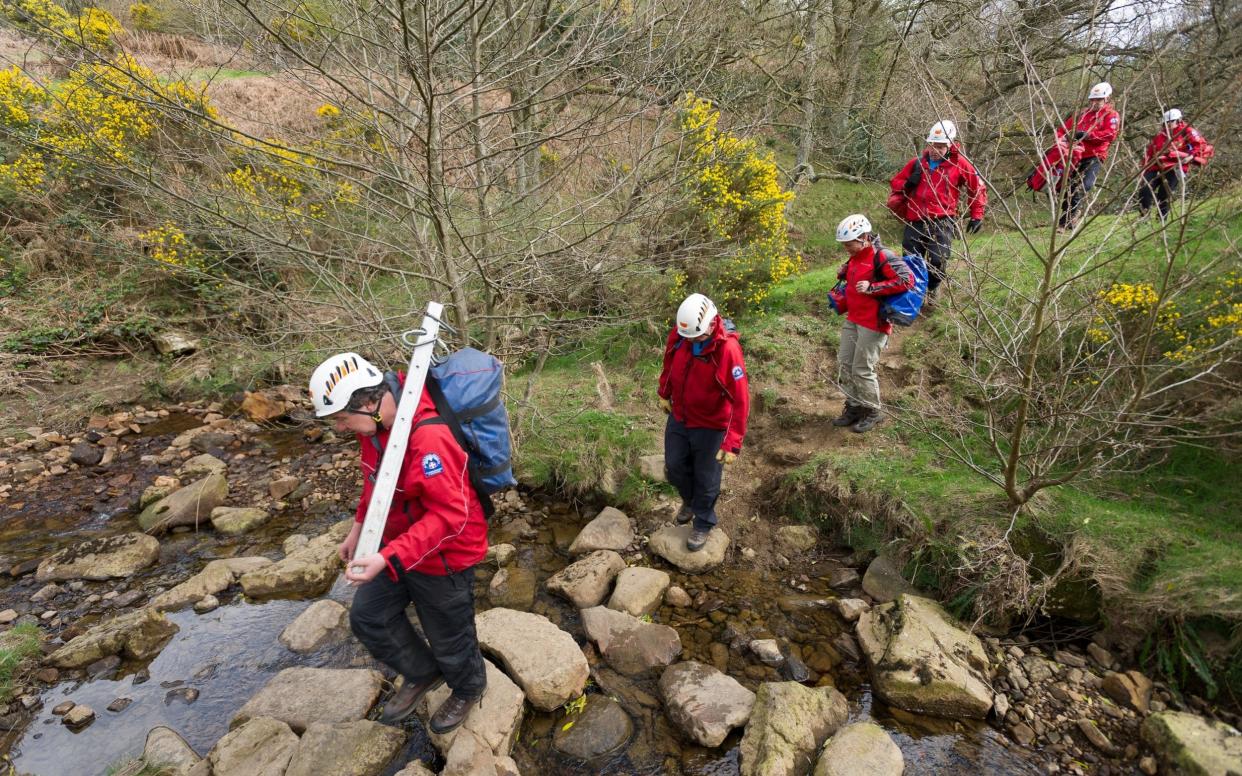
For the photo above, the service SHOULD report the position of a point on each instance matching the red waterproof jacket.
(887, 276)
(938, 190)
(436, 524)
(1184, 145)
(1100, 125)
(710, 390)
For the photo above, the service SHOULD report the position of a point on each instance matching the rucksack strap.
(449, 418)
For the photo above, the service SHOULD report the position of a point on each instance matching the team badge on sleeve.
(738, 373)
(432, 465)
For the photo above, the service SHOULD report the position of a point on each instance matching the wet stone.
(186, 695)
(79, 716)
(602, 729)
(119, 705)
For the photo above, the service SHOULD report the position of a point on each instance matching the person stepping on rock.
(705, 390)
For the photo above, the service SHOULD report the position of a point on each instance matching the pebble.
(63, 708)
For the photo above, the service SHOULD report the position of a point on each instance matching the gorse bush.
(92, 29)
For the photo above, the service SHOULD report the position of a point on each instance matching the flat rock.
(788, 725)
(495, 722)
(237, 520)
(164, 746)
(190, 505)
(79, 716)
(320, 623)
(544, 660)
(600, 730)
(860, 749)
(297, 696)
(669, 542)
(469, 756)
(610, 530)
(175, 343)
(358, 748)
(586, 582)
(921, 661)
(283, 486)
(202, 465)
(512, 588)
(98, 559)
(883, 581)
(703, 702)
(1189, 745)
(215, 577)
(630, 645)
(308, 571)
(261, 747)
(795, 539)
(139, 635)
(639, 590)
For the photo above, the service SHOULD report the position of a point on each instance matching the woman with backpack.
(705, 391)
(871, 273)
(435, 534)
(1170, 155)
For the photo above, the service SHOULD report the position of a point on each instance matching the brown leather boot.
(452, 713)
(403, 701)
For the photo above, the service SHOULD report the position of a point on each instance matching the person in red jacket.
(435, 535)
(1170, 154)
(706, 393)
(871, 272)
(1094, 130)
(925, 194)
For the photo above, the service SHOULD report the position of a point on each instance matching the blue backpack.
(901, 309)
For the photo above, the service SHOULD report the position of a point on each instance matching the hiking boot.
(684, 515)
(452, 713)
(870, 420)
(698, 537)
(403, 701)
(849, 416)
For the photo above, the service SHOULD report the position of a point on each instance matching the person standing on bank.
(871, 272)
(705, 390)
(1094, 130)
(435, 535)
(1170, 155)
(925, 194)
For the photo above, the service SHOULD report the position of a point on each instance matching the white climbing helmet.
(695, 316)
(1101, 91)
(942, 132)
(1172, 114)
(335, 380)
(853, 227)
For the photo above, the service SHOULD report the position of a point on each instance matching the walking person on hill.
(870, 273)
(435, 535)
(705, 390)
(925, 194)
(1170, 155)
(1094, 130)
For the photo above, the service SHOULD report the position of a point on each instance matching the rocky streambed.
(179, 565)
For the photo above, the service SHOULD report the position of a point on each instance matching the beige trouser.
(856, 361)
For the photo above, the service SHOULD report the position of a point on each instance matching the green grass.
(17, 647)
(213, 74)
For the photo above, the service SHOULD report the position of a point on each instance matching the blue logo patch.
(432, 465)
(737, 373)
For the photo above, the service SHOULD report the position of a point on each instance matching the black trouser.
(445, 607)
(932, 239)
(691, 465)
(1081, 180)
(1159, 186)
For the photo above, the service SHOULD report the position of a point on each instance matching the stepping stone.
(544, 660)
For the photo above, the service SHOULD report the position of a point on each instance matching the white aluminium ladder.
(399, 434)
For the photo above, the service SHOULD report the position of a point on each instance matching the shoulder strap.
(449, 418)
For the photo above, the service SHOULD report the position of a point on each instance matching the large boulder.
(922, 661)
(860, 749)
(165, 748)
(215, 577)
(544, 660)
(705, 703)
(639, 590)
(787, 726)
(669, 543)
(1189, 745)
(308, 571)
(321, 622)
(359, 748)
(300, 696)
(495, 721)
(138, 635)
(599, 730)
(261, 747)
(586, 582)
(237, 520)
(628, 644)
(883, 581)
(191, 505)
(610, 530)
(102, 558)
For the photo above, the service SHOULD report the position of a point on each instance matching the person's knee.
(364, 621)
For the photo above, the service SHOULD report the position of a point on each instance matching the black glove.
(974, 225)
(1079, 135)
